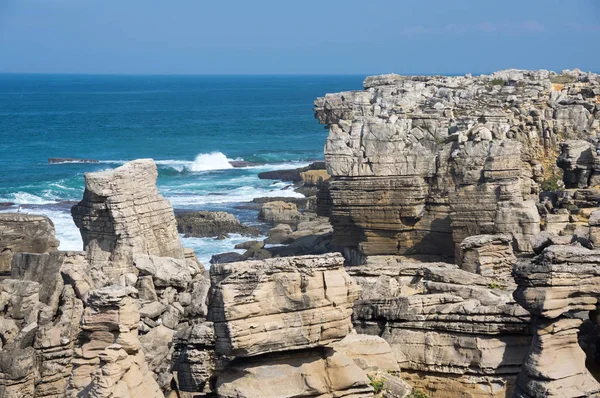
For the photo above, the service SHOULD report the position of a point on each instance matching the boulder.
(249, 244)
(228, 257)
(488, 255)
(278, 212)
(280, 304)
(295, 374)
(167, 271)
(279, 234)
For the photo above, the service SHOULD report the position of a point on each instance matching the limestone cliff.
(419, 163)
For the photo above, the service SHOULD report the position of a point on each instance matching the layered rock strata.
(488, 255)
(555, 287)
(274, 319)
(24, 233)
(202, 224)
(420, 163)
(122, 216)
(102, 322)
(453, 332)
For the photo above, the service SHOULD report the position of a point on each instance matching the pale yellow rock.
(314, 177)
(280, 304)
(370, 353)
(122, 216)
(301, 374)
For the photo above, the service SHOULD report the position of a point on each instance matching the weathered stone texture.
(555, 287)
(280, 304)
(24, 233)
(122, 216)
(441, 320)
(419, 163)
(488, 255)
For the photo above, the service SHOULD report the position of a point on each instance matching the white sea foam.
(25, 198)
(210, 161)
(203, 162)
(238, 195)
(214, 161)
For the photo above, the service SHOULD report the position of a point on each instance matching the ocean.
(191, 125)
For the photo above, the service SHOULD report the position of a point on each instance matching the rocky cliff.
(135, 315)
(419, 163)
(439, 189)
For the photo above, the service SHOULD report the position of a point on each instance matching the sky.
(297, 36)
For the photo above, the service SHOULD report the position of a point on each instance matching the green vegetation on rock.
(377, 383)
(416, 393)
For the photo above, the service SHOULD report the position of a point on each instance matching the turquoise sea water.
(191, 125)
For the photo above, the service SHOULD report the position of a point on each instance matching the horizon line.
(258, 74)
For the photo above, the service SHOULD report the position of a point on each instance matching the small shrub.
(377, 383)
(496, 82)
(562, 79)
(416, 393)
(494, 285)
(552, 183)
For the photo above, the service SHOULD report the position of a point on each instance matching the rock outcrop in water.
(129, 315)
(99, 323)
(203, 224)
(420, 163)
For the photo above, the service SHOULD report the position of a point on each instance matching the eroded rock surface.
(24, 233)
(122, 216)
(554, 287)
(202, 224)
(273, 321)
(452, 332)
(280, 304)
(420, 163)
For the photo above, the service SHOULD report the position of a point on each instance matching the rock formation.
(453, 332)
(488, 255)
(274, 320)
(122, 216)
(555, 287)
(101, 322)
(420, 163)
(277, 212)
(24, 233)
(423, 170)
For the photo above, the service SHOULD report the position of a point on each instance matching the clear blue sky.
(297, 36)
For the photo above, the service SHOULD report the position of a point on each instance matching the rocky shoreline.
(449, 246)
